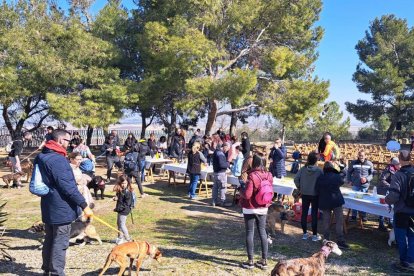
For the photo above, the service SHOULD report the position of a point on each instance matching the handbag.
(37, 186)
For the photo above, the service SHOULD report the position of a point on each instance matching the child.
(238, 162)
(124, 199)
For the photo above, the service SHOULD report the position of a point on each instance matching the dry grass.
(196, 238)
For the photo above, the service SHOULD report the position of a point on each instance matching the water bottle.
(375, 192)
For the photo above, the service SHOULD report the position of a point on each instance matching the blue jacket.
(357, 170)
(238, 164)
(61, 204)
(278, 156)
(220, 163)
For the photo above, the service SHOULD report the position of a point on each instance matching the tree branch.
(39, 124)
(226, 112)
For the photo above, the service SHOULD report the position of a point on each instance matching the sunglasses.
(66, 140)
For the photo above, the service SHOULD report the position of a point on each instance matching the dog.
(27, 167)
(277, 214)
(81, 230)
(296, 195)
(391, 238)
(13, 176)
(133, 250)
(97, 183)
(312, 266)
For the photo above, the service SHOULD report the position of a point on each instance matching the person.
(232, 151)
(194, 139)
(227, 139)
(238, 162)
(326, 155)
(195, 158)
(245, 145)
(322, 143)
(403, 215)
(60, 207)
(48, 137)
(75, 140)
(14, 156)
(143, 150)
(277, 159)
(135, 172)
(254, 213)
(162, 144)
(331, 200)
(110, 148)
(384, 185)
(412, 141)
(207, 149)
(343, 170)
(130, 142)
(215, 140)
(84, 150)
(198, 132)
(305, 181)
(152, 144)
(114, 134)
(123, 198)
(178, 135)
(220, 166)
(177, 148)
(75, 159)
(360, 173)
(221, 134)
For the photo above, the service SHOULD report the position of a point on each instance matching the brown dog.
(276, 214)
(134, 250)
(312, 266)
(12, 177)
(27, 167)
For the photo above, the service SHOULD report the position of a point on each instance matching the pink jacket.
(232, 152)
(252, 186)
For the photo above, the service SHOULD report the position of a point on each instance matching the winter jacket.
(130, 142)
(16, 148)
(61, 204)
(220, 163)
(305, 179)
(108, 145)
(124, 202)
(328, 187)
(246, 148)
(194, 139)
(385, 179)
(398, 190)
(152, 144)
(143, 150)
(278, 156)
(176, 150)
(194, 162)
(251, 188)
(357, 170)
(238, 164)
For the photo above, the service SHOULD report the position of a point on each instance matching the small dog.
(391, 238)
(133, 250)
(276, 214)
(27, 167)
(81, 230)
(312, 266)
(97, 183)
(15, 177)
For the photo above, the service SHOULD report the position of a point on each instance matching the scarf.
(56, 147)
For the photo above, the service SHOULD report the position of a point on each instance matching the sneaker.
(382, 228)
(247, 265)
(343, 245)
(305, 236)
(119, 241)
(194, 197)
(107, 180)
(213, 204)
(144, 195)
(262, 264)
(316, 238)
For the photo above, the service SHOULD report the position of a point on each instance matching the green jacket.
(305, 179)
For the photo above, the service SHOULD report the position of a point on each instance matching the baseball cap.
(395, 161)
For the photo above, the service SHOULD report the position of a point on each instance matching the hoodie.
(305, 179)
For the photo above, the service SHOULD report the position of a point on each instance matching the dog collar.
(325, 251)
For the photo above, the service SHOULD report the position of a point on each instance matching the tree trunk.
(143, 125)
(211, 117)
(172, 125)
(89, 133)
(233, 123)
(390, 130)
(283, 133)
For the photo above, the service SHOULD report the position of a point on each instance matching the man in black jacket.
(220, 166)
(245, 145)
(14, 156)
(110, 147)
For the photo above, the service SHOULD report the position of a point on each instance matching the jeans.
(306, 201)
(219, 185)
(359, 189)
(54, 248)
(193, 184)
(249, 220)
(110, 161)
(142, 170)
(121, 222)
(339, 220)
(404, 237)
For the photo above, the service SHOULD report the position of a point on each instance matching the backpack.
(9, 146)
(295, 167)
(336, 152)
(86, 166)
(409, 201)
(265, 193)
(134, 200)
(129, 162)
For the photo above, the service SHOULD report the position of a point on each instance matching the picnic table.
(155, 161)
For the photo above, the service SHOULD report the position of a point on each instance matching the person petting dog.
(331, 200)
(195, 157)
(305, 181)
(60, 207)
(123, 200)
(253, 212)
(110, 146)
(14, 156)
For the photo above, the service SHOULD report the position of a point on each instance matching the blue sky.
(345, 22)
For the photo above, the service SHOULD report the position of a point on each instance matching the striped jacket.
(357, 170)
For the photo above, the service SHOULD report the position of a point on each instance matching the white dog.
(391, 238)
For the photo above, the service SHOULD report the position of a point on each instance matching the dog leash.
(29, 155)
(100, 155)
(107, 224)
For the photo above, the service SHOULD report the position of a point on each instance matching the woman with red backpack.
(256, 196)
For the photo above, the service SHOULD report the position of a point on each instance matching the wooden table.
(154, 161)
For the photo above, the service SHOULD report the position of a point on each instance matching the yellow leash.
(107, 224)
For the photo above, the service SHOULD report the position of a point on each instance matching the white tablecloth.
(280, 186)
(367, 204)
(149, 162)
(182, 168)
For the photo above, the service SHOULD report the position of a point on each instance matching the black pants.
(110, 160)
(306, 201)
(137, 177)
(249, 220)
(54, 248)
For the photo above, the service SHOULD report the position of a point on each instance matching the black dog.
(97, 183)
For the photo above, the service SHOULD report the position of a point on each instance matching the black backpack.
(409, 201)
(130, 163)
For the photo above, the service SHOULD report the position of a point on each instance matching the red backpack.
(265, 193)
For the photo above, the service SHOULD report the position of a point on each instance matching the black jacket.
(130, 142)
(176, 150)
(246, 148)
(328, 187)
(322, 145)
(194, 162)
(123, 203)
(75, 142)
(16, 148)
(107, 145)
